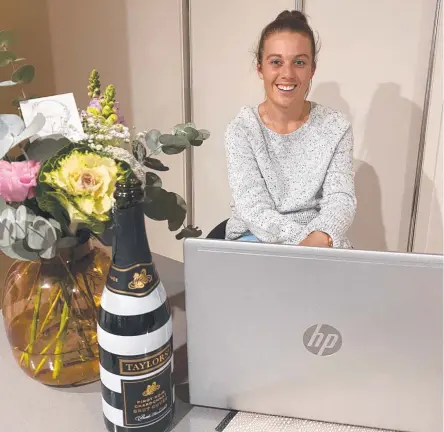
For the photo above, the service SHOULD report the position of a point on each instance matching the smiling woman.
(290, 160)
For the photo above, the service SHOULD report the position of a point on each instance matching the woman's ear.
(259, 71)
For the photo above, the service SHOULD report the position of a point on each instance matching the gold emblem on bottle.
(150, 389)
(140, 280)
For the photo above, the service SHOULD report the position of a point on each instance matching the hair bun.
(292, 15)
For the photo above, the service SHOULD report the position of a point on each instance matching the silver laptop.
(343, 336)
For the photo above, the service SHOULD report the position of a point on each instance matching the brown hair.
(294, 21)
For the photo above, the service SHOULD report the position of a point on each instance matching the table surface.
(28, 405)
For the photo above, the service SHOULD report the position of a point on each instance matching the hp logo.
(322, 340)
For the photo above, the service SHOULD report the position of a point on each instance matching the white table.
(27, 405)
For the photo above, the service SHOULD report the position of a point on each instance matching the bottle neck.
(130, 244)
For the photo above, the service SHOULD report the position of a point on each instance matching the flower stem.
(58, 355)
(63, 324)
(48, 315)
(25, 355)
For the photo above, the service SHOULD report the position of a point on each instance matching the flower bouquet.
(54, 198)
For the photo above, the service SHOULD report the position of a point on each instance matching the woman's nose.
(288, 71)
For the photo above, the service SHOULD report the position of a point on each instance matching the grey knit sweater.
(285, 186)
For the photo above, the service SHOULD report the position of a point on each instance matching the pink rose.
(18, 180)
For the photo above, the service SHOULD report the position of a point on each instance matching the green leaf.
(24, 74)
(204, 133)
(189, 231)
(7, 37)
(161, 205)
(178, 214)
(20, 251)
(156, 205)
(173, 144)
(155, 164)
(153, 180)
(6, 57)
(191, 133)
(196, 142)
(41, 149)
(49, 201)
(174, 141)
(172, 150)
(152, 140)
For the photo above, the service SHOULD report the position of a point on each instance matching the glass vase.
(50, 315)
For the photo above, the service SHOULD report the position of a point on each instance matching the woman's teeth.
(286, 87)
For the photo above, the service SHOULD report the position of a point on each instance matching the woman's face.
(287, 67)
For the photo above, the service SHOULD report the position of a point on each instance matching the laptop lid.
(344, 336)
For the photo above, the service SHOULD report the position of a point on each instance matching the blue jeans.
(248, 238)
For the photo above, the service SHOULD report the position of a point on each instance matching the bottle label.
(147, 400)
(136, 365)
(138, 280)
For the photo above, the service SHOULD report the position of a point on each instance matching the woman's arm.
(252, 200)
(338, 203)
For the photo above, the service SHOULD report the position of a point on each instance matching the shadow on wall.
(387, 108)
(433, 234)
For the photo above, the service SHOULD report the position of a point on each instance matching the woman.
(290, 161)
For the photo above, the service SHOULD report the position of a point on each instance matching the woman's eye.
(275, 62)
(299, 62)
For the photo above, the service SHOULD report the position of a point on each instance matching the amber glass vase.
(50, 314)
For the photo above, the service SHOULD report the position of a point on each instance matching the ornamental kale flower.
(85, 184)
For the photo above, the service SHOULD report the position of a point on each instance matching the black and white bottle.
(135, 327)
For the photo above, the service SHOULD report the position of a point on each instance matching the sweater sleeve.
(338, 203)
(250, 194)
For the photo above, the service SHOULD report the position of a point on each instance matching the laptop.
(343, 336)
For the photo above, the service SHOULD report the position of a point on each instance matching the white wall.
(224, 38)
(135, 45)
(372, 65)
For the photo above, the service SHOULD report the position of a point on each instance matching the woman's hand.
(316, 239)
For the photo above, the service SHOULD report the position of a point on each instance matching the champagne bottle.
(134, 327)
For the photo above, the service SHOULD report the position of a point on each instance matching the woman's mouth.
(286, 88)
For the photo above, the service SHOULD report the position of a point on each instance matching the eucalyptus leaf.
(41, 234)
(191, 133)
(19, 251)
(172, 150)
(49, 253)
(177, 213)
(155, 164)
(196, 142)
(23, 218)
(24, 74)
(6, 57)
(174, 141)
(4, 130)
(179, 129)
(8, 227)
(14, 123)
(205, 134)
(155, 205)
(152, 140)
(189, 232)
(8, 83)
(153, 180)
(7, 37)
(138, 150)
(42, 148)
